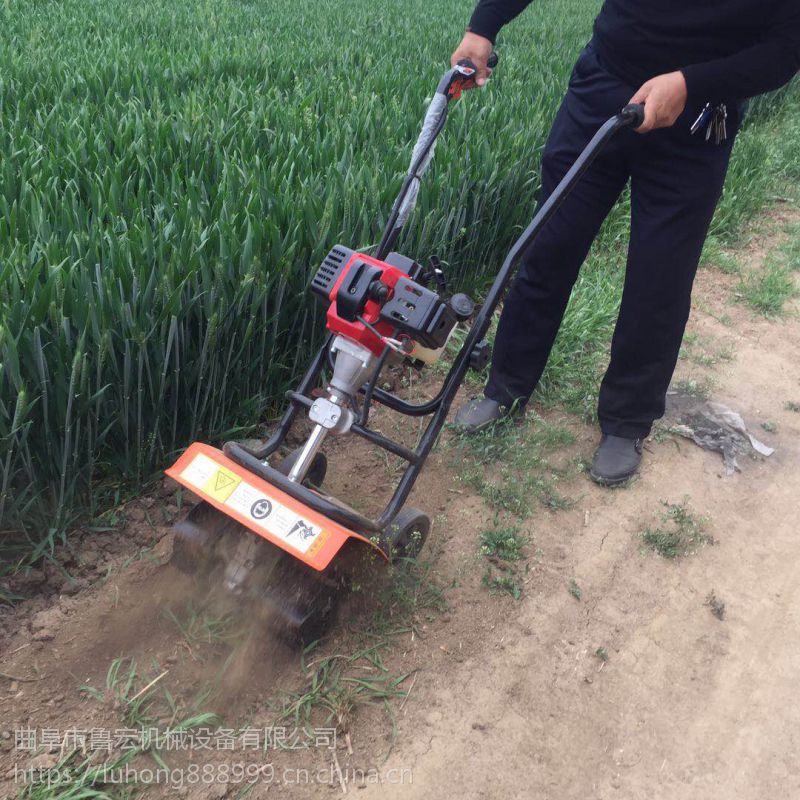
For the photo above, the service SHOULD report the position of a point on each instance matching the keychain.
(714, 119)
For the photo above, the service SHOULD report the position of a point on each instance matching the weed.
(683, 533)
(789, 251)
(199, 626)
(503, 547)
(770, 427)
(767, 290)
(142, 700)
(574, 589)
(662, 433)
(701, 389)
(602, 654)
(790, 405)
(407, 593)
(8, 597)
(333, 693)
(502, 581)
(336, 686)
(703, 350)
(728, 264)
(714, 254)
(125, 689)
(511, 467)
(76, 776)
(505, 543)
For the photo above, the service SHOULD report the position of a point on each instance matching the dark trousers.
(676, 181)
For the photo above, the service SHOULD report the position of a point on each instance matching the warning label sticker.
(264, 511)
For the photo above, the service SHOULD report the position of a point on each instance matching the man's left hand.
(664, 99)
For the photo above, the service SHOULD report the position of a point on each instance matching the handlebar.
(633, 115)
(453, 82)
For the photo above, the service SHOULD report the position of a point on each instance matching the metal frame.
(439, 406)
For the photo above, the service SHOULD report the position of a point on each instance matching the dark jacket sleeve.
(765, 66)
(490, 15)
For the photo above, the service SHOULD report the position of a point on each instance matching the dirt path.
(509, 697)
(687, 706)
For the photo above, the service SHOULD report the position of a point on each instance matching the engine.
(386, 303)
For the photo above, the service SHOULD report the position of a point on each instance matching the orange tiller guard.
(263, 508)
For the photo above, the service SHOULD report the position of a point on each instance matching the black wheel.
(315, 475)
(406, 535)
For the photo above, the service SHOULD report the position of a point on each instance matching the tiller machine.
(264, 528)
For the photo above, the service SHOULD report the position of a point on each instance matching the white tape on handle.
(433, 115)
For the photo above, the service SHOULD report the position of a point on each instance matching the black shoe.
(478, 414)
(616, 460)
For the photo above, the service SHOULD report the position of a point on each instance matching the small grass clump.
(767, 290)
(703, 351)
(601, 654)
(517, 465)
(141, 698)
(502, 581)
(791, 405)
(700, 389)
(396, 598)
(201, 626)
(574, 589)
(336, 686)
(789, 251)
(505, 543)
(125, 689)
(77, 776)
(681, 532)
(503, 547)
(142, 702)
(715, 255)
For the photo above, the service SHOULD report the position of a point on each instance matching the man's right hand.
(477, 49)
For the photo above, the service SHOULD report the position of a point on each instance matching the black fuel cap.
(462, 306)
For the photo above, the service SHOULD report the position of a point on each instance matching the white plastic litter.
(715, 427)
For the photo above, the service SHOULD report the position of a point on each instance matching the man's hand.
(477, 49)
(664, 99)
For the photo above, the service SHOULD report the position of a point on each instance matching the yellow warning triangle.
(222, 481)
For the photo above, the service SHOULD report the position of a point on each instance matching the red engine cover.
(357, 331)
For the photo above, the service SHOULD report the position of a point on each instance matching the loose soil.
(634, 690)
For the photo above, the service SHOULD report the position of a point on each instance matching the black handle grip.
(462, 76)
(633, 115)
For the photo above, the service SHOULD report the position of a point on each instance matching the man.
(675, 57)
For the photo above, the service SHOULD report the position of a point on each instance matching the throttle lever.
(438, 274)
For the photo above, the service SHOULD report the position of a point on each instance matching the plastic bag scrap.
(715, 427)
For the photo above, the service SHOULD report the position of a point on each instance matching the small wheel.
(316, 473)
(406, 535)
